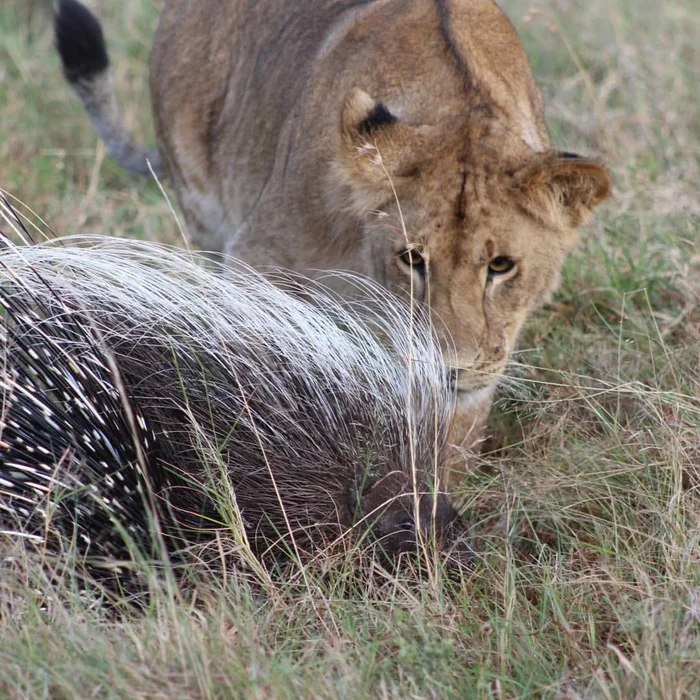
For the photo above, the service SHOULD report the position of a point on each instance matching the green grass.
(586, 503)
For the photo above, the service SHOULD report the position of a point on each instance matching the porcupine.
(137, 383)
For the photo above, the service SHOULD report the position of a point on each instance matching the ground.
(586, 503)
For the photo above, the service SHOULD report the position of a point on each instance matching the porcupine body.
(138, 384)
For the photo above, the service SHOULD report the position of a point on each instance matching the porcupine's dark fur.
(166, 389)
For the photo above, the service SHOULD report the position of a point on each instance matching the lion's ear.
(363, 115)
(376, 146)
(564, 189)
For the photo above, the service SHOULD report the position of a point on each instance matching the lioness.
(403, 139)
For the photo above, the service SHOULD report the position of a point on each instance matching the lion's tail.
(83, 52)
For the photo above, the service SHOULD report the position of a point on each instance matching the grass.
(586, 502)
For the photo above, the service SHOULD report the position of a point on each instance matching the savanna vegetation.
(586, 500)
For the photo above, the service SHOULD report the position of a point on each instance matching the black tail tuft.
(80, 41)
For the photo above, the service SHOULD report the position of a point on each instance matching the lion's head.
(468, 219)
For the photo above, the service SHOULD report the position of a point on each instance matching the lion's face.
(478, 234)
(481, 273)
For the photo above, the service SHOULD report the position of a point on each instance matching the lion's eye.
(413, 259)
(500, 265)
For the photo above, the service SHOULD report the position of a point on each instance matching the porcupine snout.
(398, 527)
